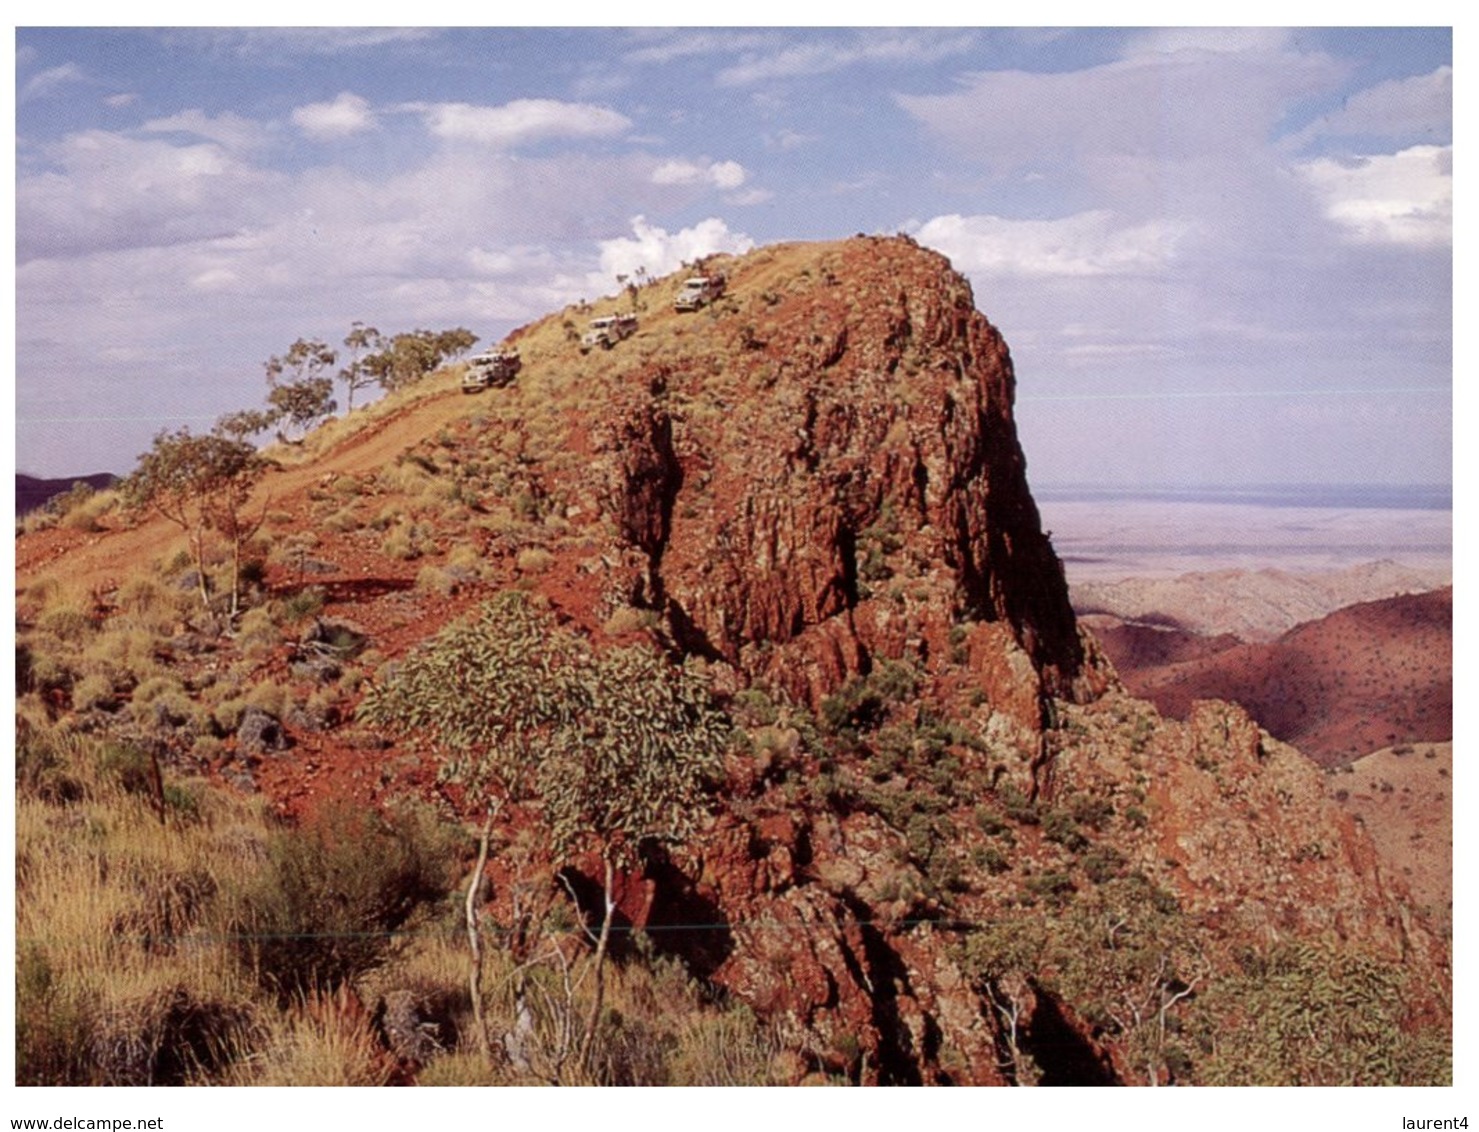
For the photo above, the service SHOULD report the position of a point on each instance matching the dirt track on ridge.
(96, 560)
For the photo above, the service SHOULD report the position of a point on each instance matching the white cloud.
(230, 130)
(678, 173)
(521, 121)
(197, 237)
(272, 44)
(51, 79)
(1164, 107)
(785, 139)
(107, 190)
(821, 57)
(214, 279)
(347, 114)
(1223, 41)
(1100, 352)
(727, 174)
(664, 46)
(659, 252)
(120, 100)
(721, 174)
(1419, 107)
(750, 196)
(1090, 243)
(1177, 146)
(1403, 198)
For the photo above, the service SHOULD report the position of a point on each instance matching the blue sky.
(1218, 256)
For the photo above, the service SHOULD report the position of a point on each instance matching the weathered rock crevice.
(896, 415)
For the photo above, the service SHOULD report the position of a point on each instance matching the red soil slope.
(1365, 677)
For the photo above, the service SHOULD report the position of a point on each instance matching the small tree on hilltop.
(302, 393)
(452, 344)
(304, 359)
(303, 404)
(410, 356)
(482, 693)
(244, 423)
(201, 484)
(361, 341)
(630, 771)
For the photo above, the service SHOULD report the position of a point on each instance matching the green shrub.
(67, 622)
(515, 703)
(51, 1026)
(1318, 1014)
(1103, 863)
(160, 703)
(434, 579)
(327, 901)
(93, 691)
(1056, 887)
(1059, 827)
(271, 697)
(534, 560)
(990, 823)
(257, 634)
(301, 605)
(1091, 812)
(1017, 805)
(41, 770)
(227, 714)
(990, 858)
(129, 766)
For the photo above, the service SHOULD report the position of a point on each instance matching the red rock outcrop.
(842, 485)
(817, 479)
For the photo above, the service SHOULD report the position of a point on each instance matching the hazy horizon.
(1217, 255)
(1102, 540)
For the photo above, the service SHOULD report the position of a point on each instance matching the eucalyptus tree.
(302, 390)
(614, 750)
(361, 341)
(202, 484)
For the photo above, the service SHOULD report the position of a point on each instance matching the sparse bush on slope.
(325, 905)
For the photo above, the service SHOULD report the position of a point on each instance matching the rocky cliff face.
(822, 473)
(817, 486)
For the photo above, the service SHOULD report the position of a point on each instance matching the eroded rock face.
(824, 480)
(843, 486)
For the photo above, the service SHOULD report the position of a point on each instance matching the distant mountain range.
(1367, 676)
(1253, 605)
(32, 492)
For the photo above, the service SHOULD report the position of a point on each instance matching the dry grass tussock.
(193, 939)
(82, 508)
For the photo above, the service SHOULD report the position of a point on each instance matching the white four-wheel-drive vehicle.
(698, 292)
(607, 332)
(492, 367)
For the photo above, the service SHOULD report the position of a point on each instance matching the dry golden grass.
(87, 514)
(436, 580)
(144, 603)
(123, 654)
(112, 929)
(534, 560)
(313, 1044)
